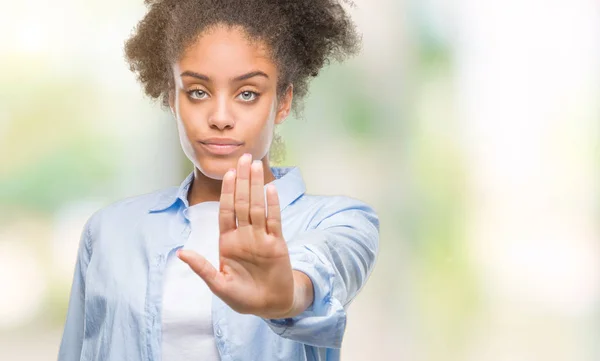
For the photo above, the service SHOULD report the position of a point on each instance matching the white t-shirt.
(187, 331)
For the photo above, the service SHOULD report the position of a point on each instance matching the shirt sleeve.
(72, 339)
(338, 255)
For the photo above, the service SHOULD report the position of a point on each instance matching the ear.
(285, 105)
(172, 101)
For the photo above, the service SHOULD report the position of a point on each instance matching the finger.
(226, 203)
(257, 195)
(202, 268)
(242, 190)
(274, 212)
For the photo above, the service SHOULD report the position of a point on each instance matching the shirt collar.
(288, 181)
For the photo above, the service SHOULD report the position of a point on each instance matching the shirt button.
(186, 231)
(218, 332)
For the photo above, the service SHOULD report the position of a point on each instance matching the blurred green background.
(470, 126)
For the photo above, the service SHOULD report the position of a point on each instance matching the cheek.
(182, 131)
(186, 127)
(187, 119)
(184, 140)
(263, 134)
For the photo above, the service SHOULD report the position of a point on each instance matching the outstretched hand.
(255, 274)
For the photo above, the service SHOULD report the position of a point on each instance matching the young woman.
(238, 262)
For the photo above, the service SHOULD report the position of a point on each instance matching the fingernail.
(248, 155)
(256, 162)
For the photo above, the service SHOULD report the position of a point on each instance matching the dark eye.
(248, 96)
(197, 94)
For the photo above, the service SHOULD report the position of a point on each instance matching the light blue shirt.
(115, 303)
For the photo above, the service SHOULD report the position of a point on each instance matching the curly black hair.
(303, 35)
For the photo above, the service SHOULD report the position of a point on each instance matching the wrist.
(303, 296)
(303, 293)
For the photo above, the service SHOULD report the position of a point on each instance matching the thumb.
(202, 267)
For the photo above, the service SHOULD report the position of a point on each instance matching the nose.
(221, 117)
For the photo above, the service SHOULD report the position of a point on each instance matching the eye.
(248, 96)
(197, 94)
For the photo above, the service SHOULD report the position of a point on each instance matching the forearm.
(322, 319)
(337, 258)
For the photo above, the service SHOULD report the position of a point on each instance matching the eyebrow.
(246, 76)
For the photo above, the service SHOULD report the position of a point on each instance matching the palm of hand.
(255, 274)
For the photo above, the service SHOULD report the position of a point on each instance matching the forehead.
(226, 51)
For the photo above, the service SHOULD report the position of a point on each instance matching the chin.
(215, 168)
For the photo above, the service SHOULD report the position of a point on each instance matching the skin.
(226, 86)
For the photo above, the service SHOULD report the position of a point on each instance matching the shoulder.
(338, 209)
(128, 209)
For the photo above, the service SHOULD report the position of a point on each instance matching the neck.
(205, 189)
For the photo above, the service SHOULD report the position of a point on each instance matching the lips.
(220, 141)
(221, 147)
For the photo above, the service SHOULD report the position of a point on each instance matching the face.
(225, 100)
